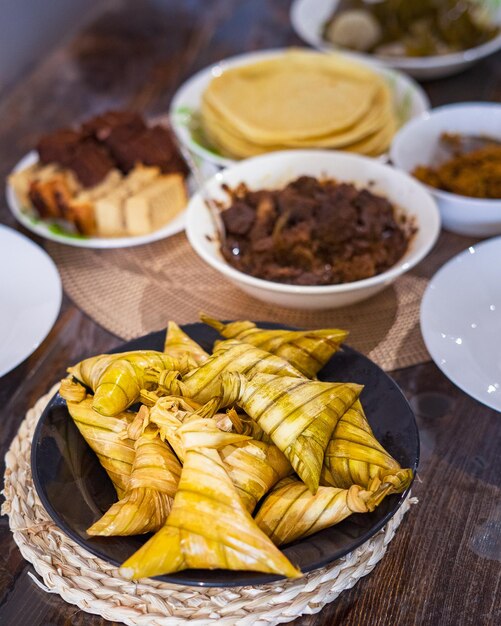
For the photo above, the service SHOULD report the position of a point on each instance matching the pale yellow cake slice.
(156, 205)
(109, 209)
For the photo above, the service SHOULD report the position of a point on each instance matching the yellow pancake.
(294, 96)
(233, 145)
(379, 115)
(230, 146)
(376, 144)
(373, 145)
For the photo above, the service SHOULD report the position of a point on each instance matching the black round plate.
(76, 491)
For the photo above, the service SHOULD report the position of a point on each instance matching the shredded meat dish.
(313, 232)
(475, 173)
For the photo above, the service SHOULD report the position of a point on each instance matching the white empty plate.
(461, 321)
(30, 297)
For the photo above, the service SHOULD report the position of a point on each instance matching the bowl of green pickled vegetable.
(425, 38)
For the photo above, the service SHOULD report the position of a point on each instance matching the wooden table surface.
(443, 567)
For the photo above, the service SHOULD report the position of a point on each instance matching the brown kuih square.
(90, 162)
(59, 146)
(103, 125)
(150, 146)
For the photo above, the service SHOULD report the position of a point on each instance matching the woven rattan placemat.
(133, 291)
(96, 586)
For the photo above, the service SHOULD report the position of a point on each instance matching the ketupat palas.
(241, 423)
(298, 414)
(316, 428)
(203, 383)
(307, 350)
(208, 526)
(291, 511)
(254, 467)
(104, 435)
(354, 456)
(149, 493)
(117, 379)
(169, 413)
(178, 344)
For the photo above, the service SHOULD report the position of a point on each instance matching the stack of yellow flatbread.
(298, 99)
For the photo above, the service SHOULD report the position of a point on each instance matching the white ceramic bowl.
(275, 171)
(409, 100)
(309, 16)
(417, 143)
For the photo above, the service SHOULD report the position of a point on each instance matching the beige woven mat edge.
(134, 291)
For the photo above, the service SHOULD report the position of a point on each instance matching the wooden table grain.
(443, 567)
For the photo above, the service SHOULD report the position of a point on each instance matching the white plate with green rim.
(308, 19)
(408, 97)
(62, 232)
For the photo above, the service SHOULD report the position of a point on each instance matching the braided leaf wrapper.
(208, 526)
(204, 382)
(254, 467)
(149, 494)
(307, 350)
(178, 344)
(298, 414)
(291, 511)
(117, 379)
(105, 436)
(354, 456)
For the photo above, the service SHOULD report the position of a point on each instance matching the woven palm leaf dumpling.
(307, 350)
(230, 452)
(117, 379)
(188, 539)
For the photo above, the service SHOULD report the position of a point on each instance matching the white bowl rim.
(488, 203)
(434, 61)
(446, 60)
(388, 276)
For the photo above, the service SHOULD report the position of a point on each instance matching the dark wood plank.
(443, 567)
